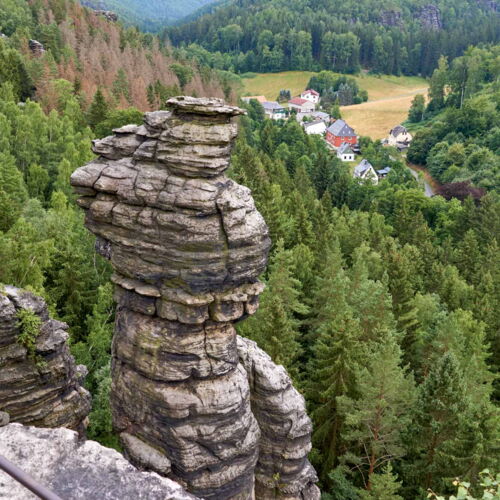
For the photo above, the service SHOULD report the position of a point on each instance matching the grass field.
(389, 97)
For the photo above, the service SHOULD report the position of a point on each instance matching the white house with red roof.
(301, 105)
(310, 95)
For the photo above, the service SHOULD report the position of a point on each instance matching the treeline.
(384, 306)
(460, 138)
(396, 38)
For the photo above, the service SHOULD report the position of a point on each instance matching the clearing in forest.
(389, 97)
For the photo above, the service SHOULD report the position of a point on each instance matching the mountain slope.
(387, 37)
(151, 15)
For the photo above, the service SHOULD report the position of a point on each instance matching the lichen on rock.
(187, 246)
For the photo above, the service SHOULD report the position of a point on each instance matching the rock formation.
(430, 17)
(391, 18)
(41, 387)
(76, 470)
(109, 15)
(36, 47)
(187, 246)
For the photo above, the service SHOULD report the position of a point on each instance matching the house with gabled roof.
(274, 111)
(321, 115)
(339, 132)
(345, 152)
(310, 95)
(317, 127)
(364, 171)
(399, 137)
(301, 105)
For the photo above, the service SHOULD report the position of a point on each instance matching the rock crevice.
(187, 246)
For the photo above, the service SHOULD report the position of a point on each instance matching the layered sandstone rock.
(41, 387)
(187, 246)
(76, 470)
(430, 17)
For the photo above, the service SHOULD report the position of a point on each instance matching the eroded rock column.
(187, 246)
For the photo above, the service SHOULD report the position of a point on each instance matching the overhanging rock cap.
(203, 106)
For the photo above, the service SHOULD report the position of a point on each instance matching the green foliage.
(271, 36)
(489, 482)
(29, 324)
(417, 109)
(183, 73)
(460, 142)
(117, 119)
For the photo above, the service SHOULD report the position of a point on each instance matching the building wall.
(336, 141)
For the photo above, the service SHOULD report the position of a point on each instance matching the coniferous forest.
(387, 37)
(382, 304)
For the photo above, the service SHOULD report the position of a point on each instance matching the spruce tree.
(336, 354)
(379, 415)
(98, 111)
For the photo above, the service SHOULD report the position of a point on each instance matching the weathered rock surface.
(109, 15)
(430, 17)
(42, 388)
(187, 246)
(391, 18)
(77, 470)
(36, 47)
(285, 428)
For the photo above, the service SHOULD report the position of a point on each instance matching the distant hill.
(150, 15)
(387, 37)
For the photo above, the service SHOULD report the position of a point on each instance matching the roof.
(315, 122)
(321, 114)
(398, 129)
(340, 128)
(310, 91)
(260, 98)
(298, 101)
(383, 171)
(362, 167)
(272, 106)
(345, 148)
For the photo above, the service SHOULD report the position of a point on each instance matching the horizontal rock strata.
(187, 246)
(76, 470)
(42, 387)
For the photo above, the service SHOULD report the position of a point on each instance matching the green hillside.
(386, 37)
(151, 15)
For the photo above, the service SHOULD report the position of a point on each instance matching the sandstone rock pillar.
(187, 246)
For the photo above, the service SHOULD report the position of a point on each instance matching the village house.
(317, 127)
(345, 152)
(382, 174)
(339, 132)
(301, 105)
(321, 115)
(364, 171)
(310, 95)
(258, 98)
(399, 137)
(274, 110)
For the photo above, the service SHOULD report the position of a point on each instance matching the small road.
(421, 179)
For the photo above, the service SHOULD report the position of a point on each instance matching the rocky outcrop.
(41, 385)
(36, 47)
(430, 17)
(76, 470)
(187, 246)
(391, 18)
(109, 15)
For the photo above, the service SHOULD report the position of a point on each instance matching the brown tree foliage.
(94, 52)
